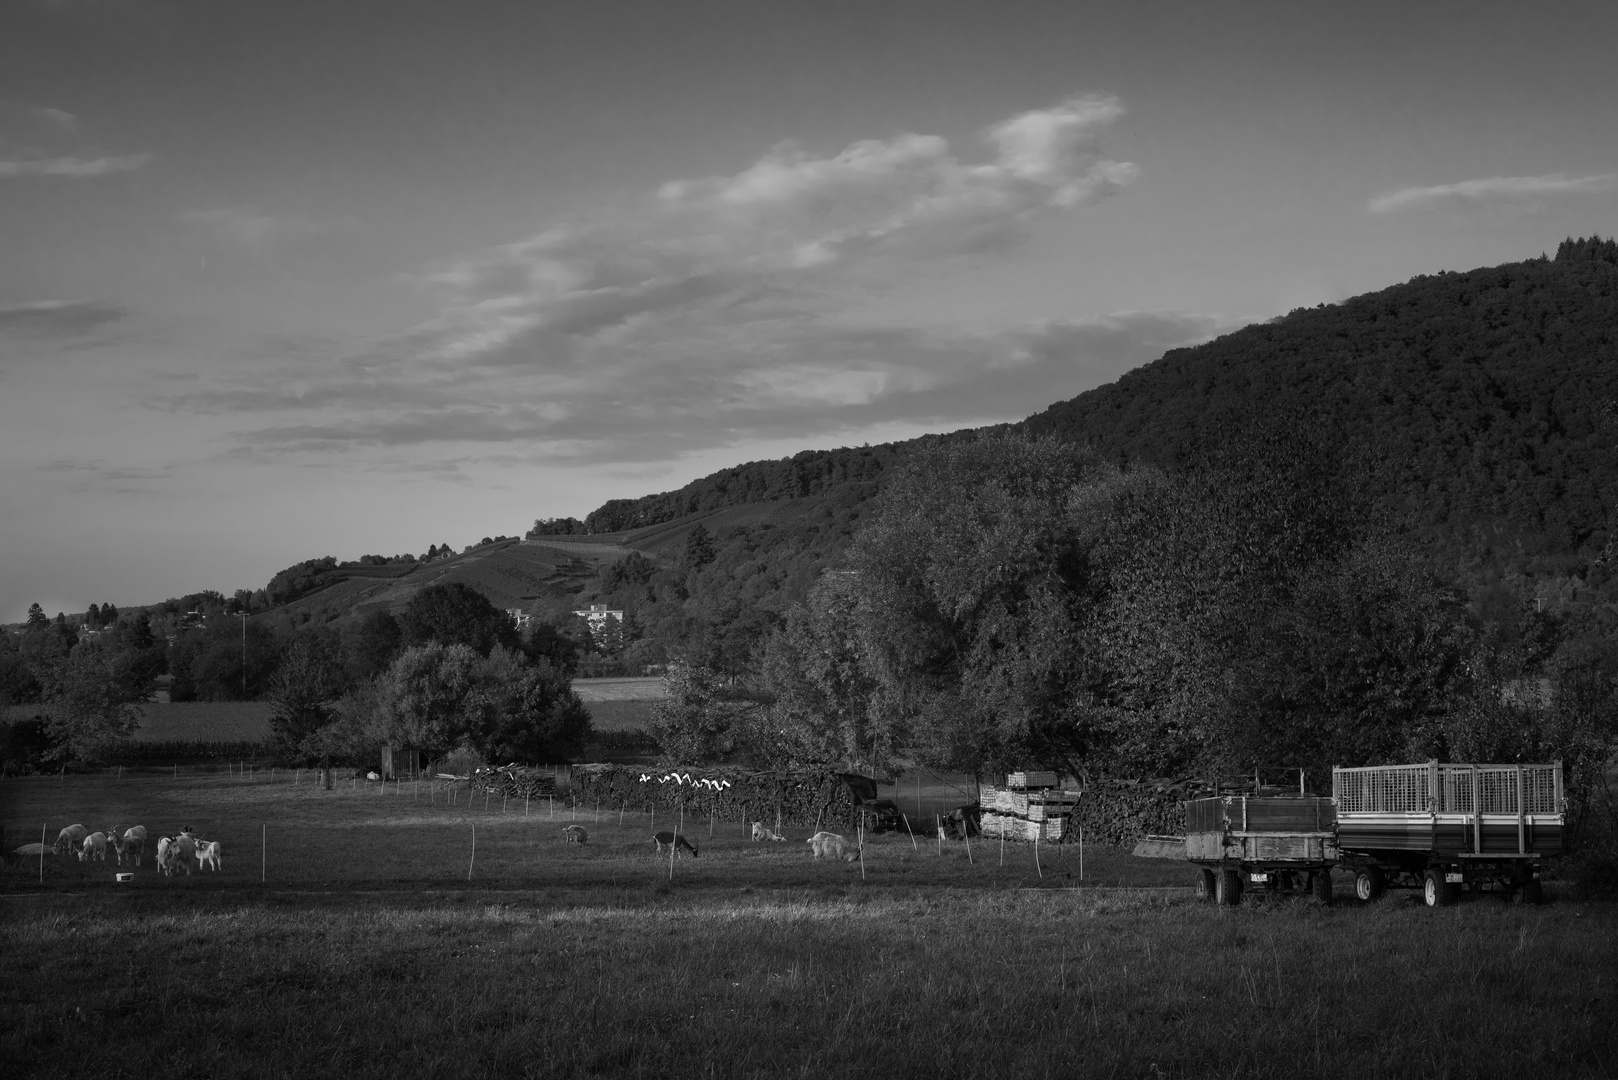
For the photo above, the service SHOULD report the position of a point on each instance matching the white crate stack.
(1030, 805)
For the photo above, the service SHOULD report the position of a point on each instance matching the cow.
(575, 834)
(832, 846)
(674, 842)
(209, 852)
(132, 843)
(762, 831)
(70, 838)
(94, 847)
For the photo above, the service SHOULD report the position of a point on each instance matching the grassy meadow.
(366, 951)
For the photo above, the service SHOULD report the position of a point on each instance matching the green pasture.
(365, 951)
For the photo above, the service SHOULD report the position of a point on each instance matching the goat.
(209, 852)
(575, 834)
(95, 847)
(132, 843)
(70, 838)
(832, 846)
(174, 852)
(673, 841)
(762, 831)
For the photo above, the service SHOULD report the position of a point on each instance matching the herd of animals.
(182, 851)
(173, 853)
(826, 845)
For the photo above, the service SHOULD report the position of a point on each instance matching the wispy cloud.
(1491, 189)
(254, 229)
(726, 308)
(71, 166)
(99, 470)
(57, 318)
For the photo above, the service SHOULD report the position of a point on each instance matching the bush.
(23, 746)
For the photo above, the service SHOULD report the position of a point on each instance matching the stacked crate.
(1030, 806)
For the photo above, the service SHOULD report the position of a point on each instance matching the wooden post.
(966, 831)
(862, 849)
(1037, 867)
(672, 846)
(1002, 842)
(43, 826)
(938, 824)
(474, 858)
(1081, 852)
(913, 846)
(710, 822)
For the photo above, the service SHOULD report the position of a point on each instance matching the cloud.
(71, 166)
(253, 229)
(57, 318)
(1491, 189)
(58, 118)
(724, 309)
(100, 470)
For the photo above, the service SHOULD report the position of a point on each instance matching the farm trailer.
(1278, 842)
(1443, 828)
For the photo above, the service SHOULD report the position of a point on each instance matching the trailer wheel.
(1368, 884)
(1230, 888)
(1529, 892)
(1435, 891)
(1207, 887)
(1321, 886)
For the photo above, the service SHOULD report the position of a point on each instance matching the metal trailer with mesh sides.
(1277, 843)
(1445, 828)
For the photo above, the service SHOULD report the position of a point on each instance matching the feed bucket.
(123, 877)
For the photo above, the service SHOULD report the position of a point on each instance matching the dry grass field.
(365, 938)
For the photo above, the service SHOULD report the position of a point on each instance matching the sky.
(293, 279)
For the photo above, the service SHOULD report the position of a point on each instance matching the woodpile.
(515, 781)
(1109, 811)
(803, 799)
(1029, 806)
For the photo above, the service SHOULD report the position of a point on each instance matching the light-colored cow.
(762, 831)
(575, 834)
(132, 843)
(209, 853)
(94, 847)
(70, 838)
(674, 842)
(832, 846)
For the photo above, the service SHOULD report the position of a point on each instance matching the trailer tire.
(1321, 887)
(1369, 884)
(1230, 888)
(1435, 891)
(1207, 887)
(1529, 892)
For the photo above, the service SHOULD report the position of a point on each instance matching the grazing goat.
(575, 834)
(832, 846)
(95, 847)
(174, 852)
(762, 831)
(674, 842)
(208, 852)
(70, 838)
(132, 843)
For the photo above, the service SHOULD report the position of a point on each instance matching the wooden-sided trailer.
(1447, 827)
(1279, 843)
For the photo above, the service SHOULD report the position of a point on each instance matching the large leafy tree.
(975, 586)
(457, 614)
(822, 692)
(96, 704)
(532, 713)
(304, 691)
(431, 697)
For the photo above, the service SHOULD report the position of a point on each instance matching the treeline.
(1483, 404)
(451, 671)
(1023, 602)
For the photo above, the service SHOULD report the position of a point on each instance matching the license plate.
(1452, 878)
(1259, 878)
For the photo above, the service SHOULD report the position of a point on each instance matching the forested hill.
(1488, 400)
(812, 472)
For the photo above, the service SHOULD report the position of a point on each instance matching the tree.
(456, 614)
(699, 548)
(546, 642)
(822, 692)
(430, 698)
(95, 705)
(975, 586)
(37, 617)
(533, 715)
(692, 724)
(371, 645)
(305, 687)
